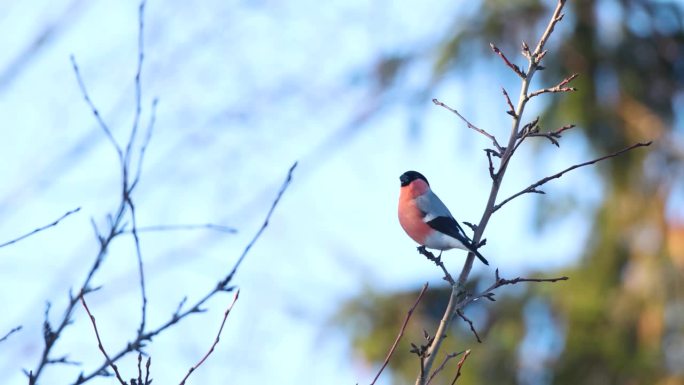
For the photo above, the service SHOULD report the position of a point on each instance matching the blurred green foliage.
(620, 318)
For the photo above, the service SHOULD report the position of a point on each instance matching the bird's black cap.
(410, 176)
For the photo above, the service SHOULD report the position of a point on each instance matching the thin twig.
(96, 112)
(145, 142)
(147, 371)
(99, 342)
(185, 227)
(470, 323)
(55, 223)
(263, 225)
(401, 332)
(221, 286)
(443, 365)
(539, 52)
(138, 89)
(470, 125)
(511, 109)
(460, 365)
(216, 341)
(560, 87)
(141, 271)
(490, 153)
(552, 136)
(129, 185)
(140, 380)
(9, 333)
(512, 66)
(438, 261)
(498, 282)
(533, 187)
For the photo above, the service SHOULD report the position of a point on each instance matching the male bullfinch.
(427, 220)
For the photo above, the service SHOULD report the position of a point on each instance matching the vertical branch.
(115, 221)
(458, 288)
(141, 270)
(138, 90)
(95, 111)
(129, 184)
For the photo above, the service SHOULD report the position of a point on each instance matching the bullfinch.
(427, 220)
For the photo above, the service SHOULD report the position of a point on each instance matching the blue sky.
(246, 88)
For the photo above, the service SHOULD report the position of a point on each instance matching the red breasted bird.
(427, 220)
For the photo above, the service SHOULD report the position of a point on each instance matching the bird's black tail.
(479, 256)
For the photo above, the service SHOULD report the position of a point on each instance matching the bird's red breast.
(410, 216)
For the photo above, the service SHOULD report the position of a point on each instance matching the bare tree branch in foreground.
(222, 286)
(401, 332)
(123, 221)
(216, 340)
(99, 342)
(9, 333)
(55, 223)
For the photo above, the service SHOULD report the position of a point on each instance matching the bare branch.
(470, 323)
(460, 365)
(438, 261)
(138, 91)
(456, 301)
(557, 16)
(498, 282)
(54, 223)
(560, 87)
(141, 271)
(147, 371)
(263, 225)
(552, 135)
(9, 333)
(401, 332)
(178, 315)
(511, 109)
(145, 143)
(140, 380)
(99, 342)
(533, 187)
(216, 341)
(443, 365)
(489, 152)
(470, 125)
(95, 111)
(115, 220)
(510, 65)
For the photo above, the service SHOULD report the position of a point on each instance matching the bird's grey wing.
(437, 215)
(432, 206)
